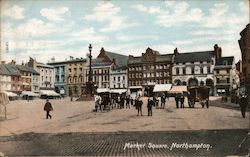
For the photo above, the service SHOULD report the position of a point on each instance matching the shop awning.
(120, 91)
(10, 94)
(178, 89)
(49, 93)
(162, 87)
(29, 93)
(135, 87)
(102, 90)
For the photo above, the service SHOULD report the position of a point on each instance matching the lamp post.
(90, 70)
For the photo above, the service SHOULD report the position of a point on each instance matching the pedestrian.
(48, 107)
(182, 99)
(190, 100)
(150, 105)
(122, 102)
(139, 104)
(163, 101)
(132, 101)
(177, 100)
(243, 101)
(119, 102)
(96, 102)
(127, 102)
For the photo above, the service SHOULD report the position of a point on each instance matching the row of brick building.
(116, 71)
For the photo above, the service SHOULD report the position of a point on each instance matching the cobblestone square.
(76, 130)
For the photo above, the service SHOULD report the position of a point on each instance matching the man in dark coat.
(163, 101)
(177, 100)
(149, 106)
(243, 101)
(182, 99)
(127, 102)
(48, 108)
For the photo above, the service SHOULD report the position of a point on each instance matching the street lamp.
(90, 70)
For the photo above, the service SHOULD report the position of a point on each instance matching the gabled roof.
(4, 70)
(99, 62)
(33, 71)
(194, 56)
(225, 61)
(12, 69)
(26, 69)
(120, 60)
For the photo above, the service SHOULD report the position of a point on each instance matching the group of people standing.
(179, 99)
(107, 102)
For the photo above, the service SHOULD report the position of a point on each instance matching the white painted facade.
(100, 75)
(35, 87)
(118, 79)
(46, 75)
(199, 70)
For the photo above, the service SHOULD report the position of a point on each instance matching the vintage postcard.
(124, 78)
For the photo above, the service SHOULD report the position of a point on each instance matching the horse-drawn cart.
(198, 94)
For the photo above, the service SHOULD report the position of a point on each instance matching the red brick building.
(150, 68)
(244, 44)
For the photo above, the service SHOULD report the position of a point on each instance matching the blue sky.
(46, 29)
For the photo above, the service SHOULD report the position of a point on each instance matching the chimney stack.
(217, 52)
(176, 51)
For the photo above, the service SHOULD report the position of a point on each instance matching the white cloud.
(16, 12)
(107, 12)
(36, 27)
(216, 17)
(54, 14)
(180, 14)
(88, 34)
(127, 38)
(140, 8)
(182, 42)
(150, 10)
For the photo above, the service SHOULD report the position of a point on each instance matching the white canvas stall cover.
(120, 91)
(178, 89)
(162, 87)
(29, 93)
(135, 87)
(102, 90)
(10, 94)
(49, 93)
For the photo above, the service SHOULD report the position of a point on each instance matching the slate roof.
(194, 56)
(120, 60)
(30, 69)
(4, 70)
(99, 62)
(27, 69)
(10, 70)
(228, 60)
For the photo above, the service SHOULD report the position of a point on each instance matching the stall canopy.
(102, 90)
(49, 93)
(162, 87)
(29, 93)
(10, 94)
(178, 89)
(135, 87)
(120, 91)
